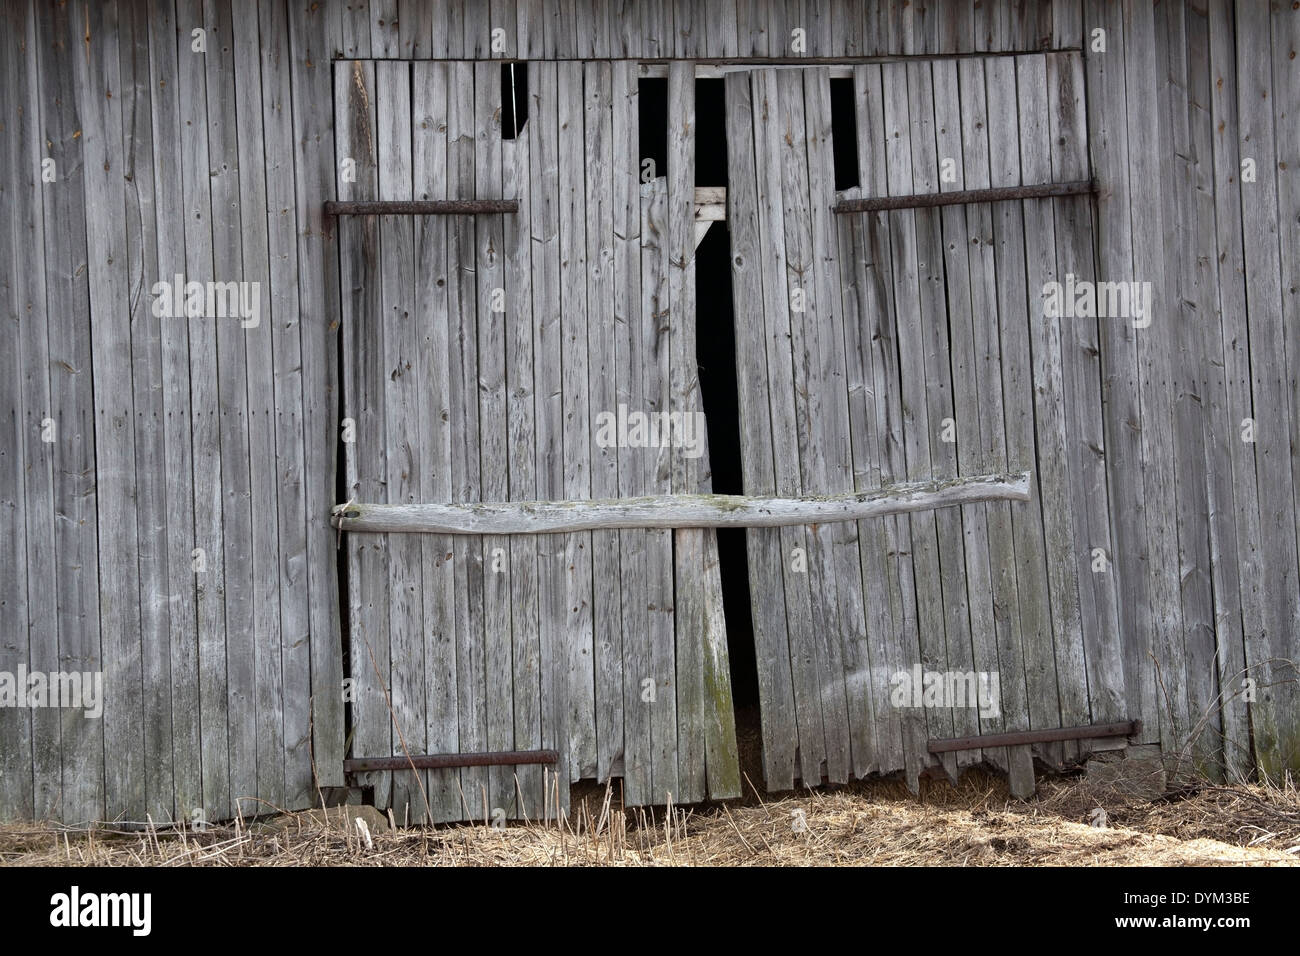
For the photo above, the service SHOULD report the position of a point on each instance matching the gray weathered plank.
(975, 647)
(493, 426)
(1286, 168)
(365, 464)
(1049, 398)
(403, 406)
(463, 308)
(99, 102)
(1229, 462)
(429, 104)
(1154, 376)
(267, 708)
(521, 449)
(689, 594)
(630, 391)
(770, 128)
(655, 325)
(314, 38)
(1269, 389)
(577, 422)
(25, 500)
(602, 383)
(763, 547)
(544, 188)
(1018, 402)
(284, 317)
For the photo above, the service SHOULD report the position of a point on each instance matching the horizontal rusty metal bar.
(498, 758)
(998, 194)
(419, 207)
(1125, 729)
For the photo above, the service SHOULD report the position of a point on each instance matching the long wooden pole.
(676, 511)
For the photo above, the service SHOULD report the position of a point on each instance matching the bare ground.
(974, 823)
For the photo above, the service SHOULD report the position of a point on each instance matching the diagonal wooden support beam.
(676, 511)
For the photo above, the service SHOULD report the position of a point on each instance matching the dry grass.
(973, 823)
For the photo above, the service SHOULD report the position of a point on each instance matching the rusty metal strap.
(1125, 729)
(998, 194)
(420, 207)
(498, 758)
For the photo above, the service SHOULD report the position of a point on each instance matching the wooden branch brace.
(676, 511)
(501, 758)
(961, 197)
(419, 207)
(1127, 728)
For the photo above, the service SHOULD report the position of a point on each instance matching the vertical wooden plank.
(909, 249)
(531, 28)
(1228, 460)
(607, 606)
(1080, 345)
(355, 27)
(824, 348)
(477, 34)
(1049, 400)
(688, 593)
(561, 29)
(1275, 744)
(266, 713)
(577, 428)
(544, 191)
(415, 25)
(771, 128)
(1186, 358)
(991, 455)
(655, 327)
(286, 348)
(429, 167)
(471, 682)
(975, 647)
(876, 415)
(630, 391)
(363, 408)
(146, 373)
(19, 507)
(503, 17)
(183, 652)
(403, 407)
(319, 292)
(81, 748)
(232, 482)
(656, 28)
(492, 299)
(1018, 403)
(98, 92)
(1155, 369)
(1067, 24)
(1286, 162)
(625, 34)
(751, 27)
(385, 33)
(833, 370)
(846, 23)
(38, 763)
(521, 411)
(1108, 139)
(942, 403)
(721, 29)
(763, 545)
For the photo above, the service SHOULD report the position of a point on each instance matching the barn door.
(879, 347)
(482, 355)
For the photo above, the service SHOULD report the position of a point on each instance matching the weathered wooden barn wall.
(171, 435)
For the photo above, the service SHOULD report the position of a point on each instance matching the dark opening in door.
(716, 354)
